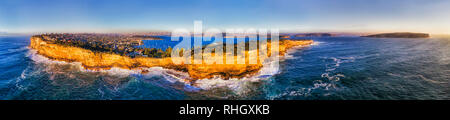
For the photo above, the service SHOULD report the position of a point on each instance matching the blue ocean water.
(332, 68)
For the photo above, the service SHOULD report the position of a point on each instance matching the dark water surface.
(333, 68)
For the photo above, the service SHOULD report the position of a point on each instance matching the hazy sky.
(432, 16)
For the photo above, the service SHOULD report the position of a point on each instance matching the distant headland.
(399, 35)
(314, 35)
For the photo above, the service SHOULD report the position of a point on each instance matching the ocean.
(333, 68)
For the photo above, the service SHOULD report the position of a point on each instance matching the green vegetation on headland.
(400, 35)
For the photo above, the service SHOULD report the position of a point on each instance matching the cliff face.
(101, 61)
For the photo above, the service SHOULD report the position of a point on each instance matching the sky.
(370, 16)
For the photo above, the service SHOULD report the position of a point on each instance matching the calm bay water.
(333, 68)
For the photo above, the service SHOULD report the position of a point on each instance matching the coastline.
(104, 61)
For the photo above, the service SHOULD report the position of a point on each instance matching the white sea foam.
(306, 91)
(331, 67)
(317, 43)
(289, 53)
(22, 76)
